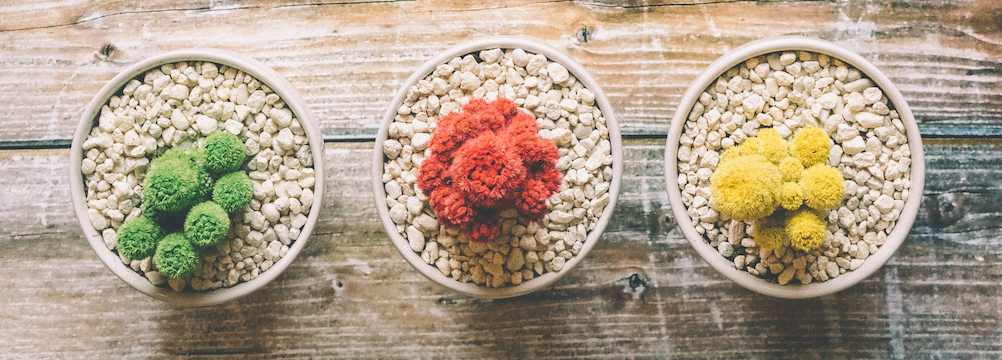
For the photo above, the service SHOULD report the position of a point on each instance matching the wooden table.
(350, 294)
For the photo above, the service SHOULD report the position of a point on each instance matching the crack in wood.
(333, 3)
(507, 7)
(627, 7)
(33, 235)
(200, 9)
(644, 6)
(337, 3)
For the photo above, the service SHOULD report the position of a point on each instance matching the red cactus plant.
(486, 159)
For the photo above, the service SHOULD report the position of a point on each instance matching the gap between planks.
(368, 138)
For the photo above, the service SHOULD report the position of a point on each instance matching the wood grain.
(348, 58)
(351, 295)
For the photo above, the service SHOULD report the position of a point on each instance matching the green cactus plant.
(233, 191)
(224, 153)
(206, 224)
(171, 184)
(138, 237)
(176, 256)
(180, 197)
(194, 157)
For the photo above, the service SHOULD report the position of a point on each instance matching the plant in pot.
(784, 189)
(188, 196)
(497, 167)
(197, 175)
(791, 165)
(485, 160)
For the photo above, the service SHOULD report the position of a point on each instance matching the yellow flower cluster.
(783, 187)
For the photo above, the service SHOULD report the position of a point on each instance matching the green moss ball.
(138, 237)
(206, 224)
(196, 157)
(172, 184)
(233, 191)
(176, 257)
(193, 154)
(224, 153)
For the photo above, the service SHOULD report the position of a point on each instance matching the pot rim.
(266, 76)
(726, 267)
(503, 42)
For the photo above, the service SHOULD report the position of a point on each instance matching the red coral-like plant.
(486, 159)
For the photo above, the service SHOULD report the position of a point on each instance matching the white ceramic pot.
(540, 281)
(725, 266)
(249, 66)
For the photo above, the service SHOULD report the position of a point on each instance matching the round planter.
(266, 76)
(539, 281)
(727, 267)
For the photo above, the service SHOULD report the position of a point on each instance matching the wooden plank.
(53, 14)
(348, 59)
(351, 295)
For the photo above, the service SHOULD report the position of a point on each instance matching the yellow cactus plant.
(743, 187)
(790, 197)
(749, 147)
(811, 146)
(791, 168)
(822, 187)
(772, 146)
(770, 231)
(805, 230)
(779, 186)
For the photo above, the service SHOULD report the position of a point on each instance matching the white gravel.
(566, 114)
(177, 105)
(788, 91)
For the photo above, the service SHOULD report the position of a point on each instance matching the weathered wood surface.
(347, 58)
(350, 294)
